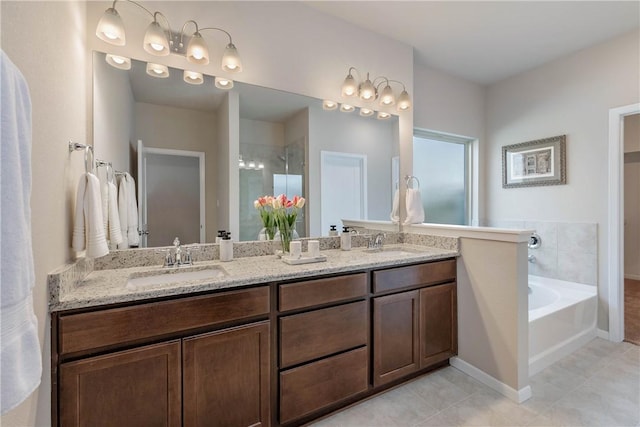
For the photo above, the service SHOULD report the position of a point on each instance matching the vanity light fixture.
(222, 83)
(193, 77)
(160, 40)
(260, 165)
(329, 105)
(117, 61)
(251, 165)
(346, 108)
(383, 116)
(157, 70)
(241, 162)
(369, 90)
(365, 112)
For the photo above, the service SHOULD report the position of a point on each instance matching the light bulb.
(260, 165)
(155, 40)
(120, 62)
(349, 87)
(365, 112)
(193, 77)
(252, 165)
(383, 116)
(110, 28)
(222, 83)
(157, 70)
(329, 105)
(231, 59)
(197, 51)
(345, 108)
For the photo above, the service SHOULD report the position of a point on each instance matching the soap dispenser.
(220, 236)
(332, 230)
(345, 239)
(226, 247)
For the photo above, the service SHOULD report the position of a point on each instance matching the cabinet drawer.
(414, 275)
(308, 336)
(321, 291)
(136, 324)
(311, 387)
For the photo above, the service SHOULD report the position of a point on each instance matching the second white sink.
(166, 277)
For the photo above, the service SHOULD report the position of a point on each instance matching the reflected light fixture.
(222, 83)
(241, 162)
(365, 112)
(329, 105)
(160, 40)
(346, 108)
(117, 61)
(369, 90)
(193, 77)
(383, 116)
(260, 165)
(157, 70)
(251, 165)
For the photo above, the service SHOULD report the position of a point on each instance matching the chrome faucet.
(181, 256)
(376, 241)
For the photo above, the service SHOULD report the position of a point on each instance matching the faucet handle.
(176, 242)
(168, 259)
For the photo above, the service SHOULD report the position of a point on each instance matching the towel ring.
(410, 179)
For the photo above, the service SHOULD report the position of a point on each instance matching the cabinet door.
(438, 324)
(395, 336)
(129, 388)
(226, 377)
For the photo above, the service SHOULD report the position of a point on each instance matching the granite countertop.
(102, 287)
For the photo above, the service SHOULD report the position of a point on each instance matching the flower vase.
(292, 235)
(267, 233)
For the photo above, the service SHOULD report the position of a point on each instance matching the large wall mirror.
(197, 145)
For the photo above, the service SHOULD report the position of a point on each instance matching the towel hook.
(410, 178)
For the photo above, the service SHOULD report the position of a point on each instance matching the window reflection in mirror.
(282, 133)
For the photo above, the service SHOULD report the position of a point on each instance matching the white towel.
(123, 206)
(128, 212)
(88, 229)
(115, 235)
(395, 210)
(20, 354)
(415, 211)
(132, 213)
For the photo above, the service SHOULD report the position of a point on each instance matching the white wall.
(449, 104)
(569, 96)
(113, 113)
(32, 36)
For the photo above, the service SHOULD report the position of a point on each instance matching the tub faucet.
(532, 259)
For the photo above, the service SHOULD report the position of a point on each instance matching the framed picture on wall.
(534, 163)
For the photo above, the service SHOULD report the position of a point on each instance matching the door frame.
(615, 274)
(201, 166)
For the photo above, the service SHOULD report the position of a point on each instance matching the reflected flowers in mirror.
(264, 205)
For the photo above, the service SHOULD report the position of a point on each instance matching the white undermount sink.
(393, 250)
(173, 276)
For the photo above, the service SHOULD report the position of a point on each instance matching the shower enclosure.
(270, 170)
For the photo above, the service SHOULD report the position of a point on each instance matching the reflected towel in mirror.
(415, 211)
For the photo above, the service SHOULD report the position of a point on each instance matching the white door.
(343, 188)
(172, 197)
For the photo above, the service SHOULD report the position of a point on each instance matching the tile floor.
(598, 385)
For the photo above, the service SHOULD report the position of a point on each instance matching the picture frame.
(535, 163)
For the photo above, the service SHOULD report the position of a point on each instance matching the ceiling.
(488, 41)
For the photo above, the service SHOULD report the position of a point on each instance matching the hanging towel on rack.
(415, 211)
(395, 210)
(20, 355)
(88, 229)
(115, 234)
(128, 211)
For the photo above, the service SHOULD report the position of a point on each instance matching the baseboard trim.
(632, 276)
(602, 334)
(517, 396)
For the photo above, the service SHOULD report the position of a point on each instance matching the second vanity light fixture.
(161, 41)
(370, 90)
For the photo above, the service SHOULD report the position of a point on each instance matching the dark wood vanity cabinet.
(323, 351)
(226, 377)
(216, 378)
(127, 388)
(413, 329)
(277, 354)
